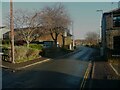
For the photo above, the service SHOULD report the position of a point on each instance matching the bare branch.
(55, 19)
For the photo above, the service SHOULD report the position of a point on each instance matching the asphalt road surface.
(63, 73)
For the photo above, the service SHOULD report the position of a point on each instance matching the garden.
(22, 52)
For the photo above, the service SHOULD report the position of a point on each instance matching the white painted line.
(46, 60)
(114, 69)
(4, 66)
(33, 64)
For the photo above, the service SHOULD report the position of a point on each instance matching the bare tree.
(92, 37)
(55, 20)
(26, 24)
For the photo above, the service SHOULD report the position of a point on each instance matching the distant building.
(79, 42)
(47, 37)
(44, 37)
(111, 33)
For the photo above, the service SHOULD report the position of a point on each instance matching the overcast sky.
(83, 14)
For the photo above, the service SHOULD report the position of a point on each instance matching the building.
(67, 39)
(79, 42)
(44, 37)
(3, 30)
(111, 33)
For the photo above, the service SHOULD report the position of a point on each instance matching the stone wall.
(110, 34)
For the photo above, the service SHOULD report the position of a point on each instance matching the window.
(116, 21)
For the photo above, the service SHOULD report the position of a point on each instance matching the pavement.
(103, 76)
(102, 70)
(18, 66)
(116, 68)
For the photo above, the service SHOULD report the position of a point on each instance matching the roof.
(2, 27)
(114, 11)
(4, 30)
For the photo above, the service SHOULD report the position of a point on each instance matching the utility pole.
(12, 31)
(73, 34)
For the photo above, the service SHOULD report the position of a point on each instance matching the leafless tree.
(26, 24)
(55, 19)
(92, 37)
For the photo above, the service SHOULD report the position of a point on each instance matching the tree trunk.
(54, 38)
(63, 41)
(28, 43)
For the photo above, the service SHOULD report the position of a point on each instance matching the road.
(62, 73)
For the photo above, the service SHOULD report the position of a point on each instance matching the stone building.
(111, 32)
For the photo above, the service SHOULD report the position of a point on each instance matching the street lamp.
(73, 34)
(101, 17)
(101, 34)
(99, 10)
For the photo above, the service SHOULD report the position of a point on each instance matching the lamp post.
(73, 34)
(100, 25)
(102, 35)
(12, 32)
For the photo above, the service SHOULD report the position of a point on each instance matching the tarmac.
(103, 74)
(19, 66)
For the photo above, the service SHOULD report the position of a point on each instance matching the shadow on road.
(43, 79)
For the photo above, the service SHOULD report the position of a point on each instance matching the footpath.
(103, 70)
(103, 76)
(18, 66)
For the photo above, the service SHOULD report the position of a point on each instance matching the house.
(67, 40)
(3, 30)
(44, 37)
(111, 33)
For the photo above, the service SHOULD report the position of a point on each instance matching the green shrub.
(5, 50)
(20, 52)
(36, 46)
(7, 41)
(32, 53)
(6, 46)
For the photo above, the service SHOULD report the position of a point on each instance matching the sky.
(83, 14)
